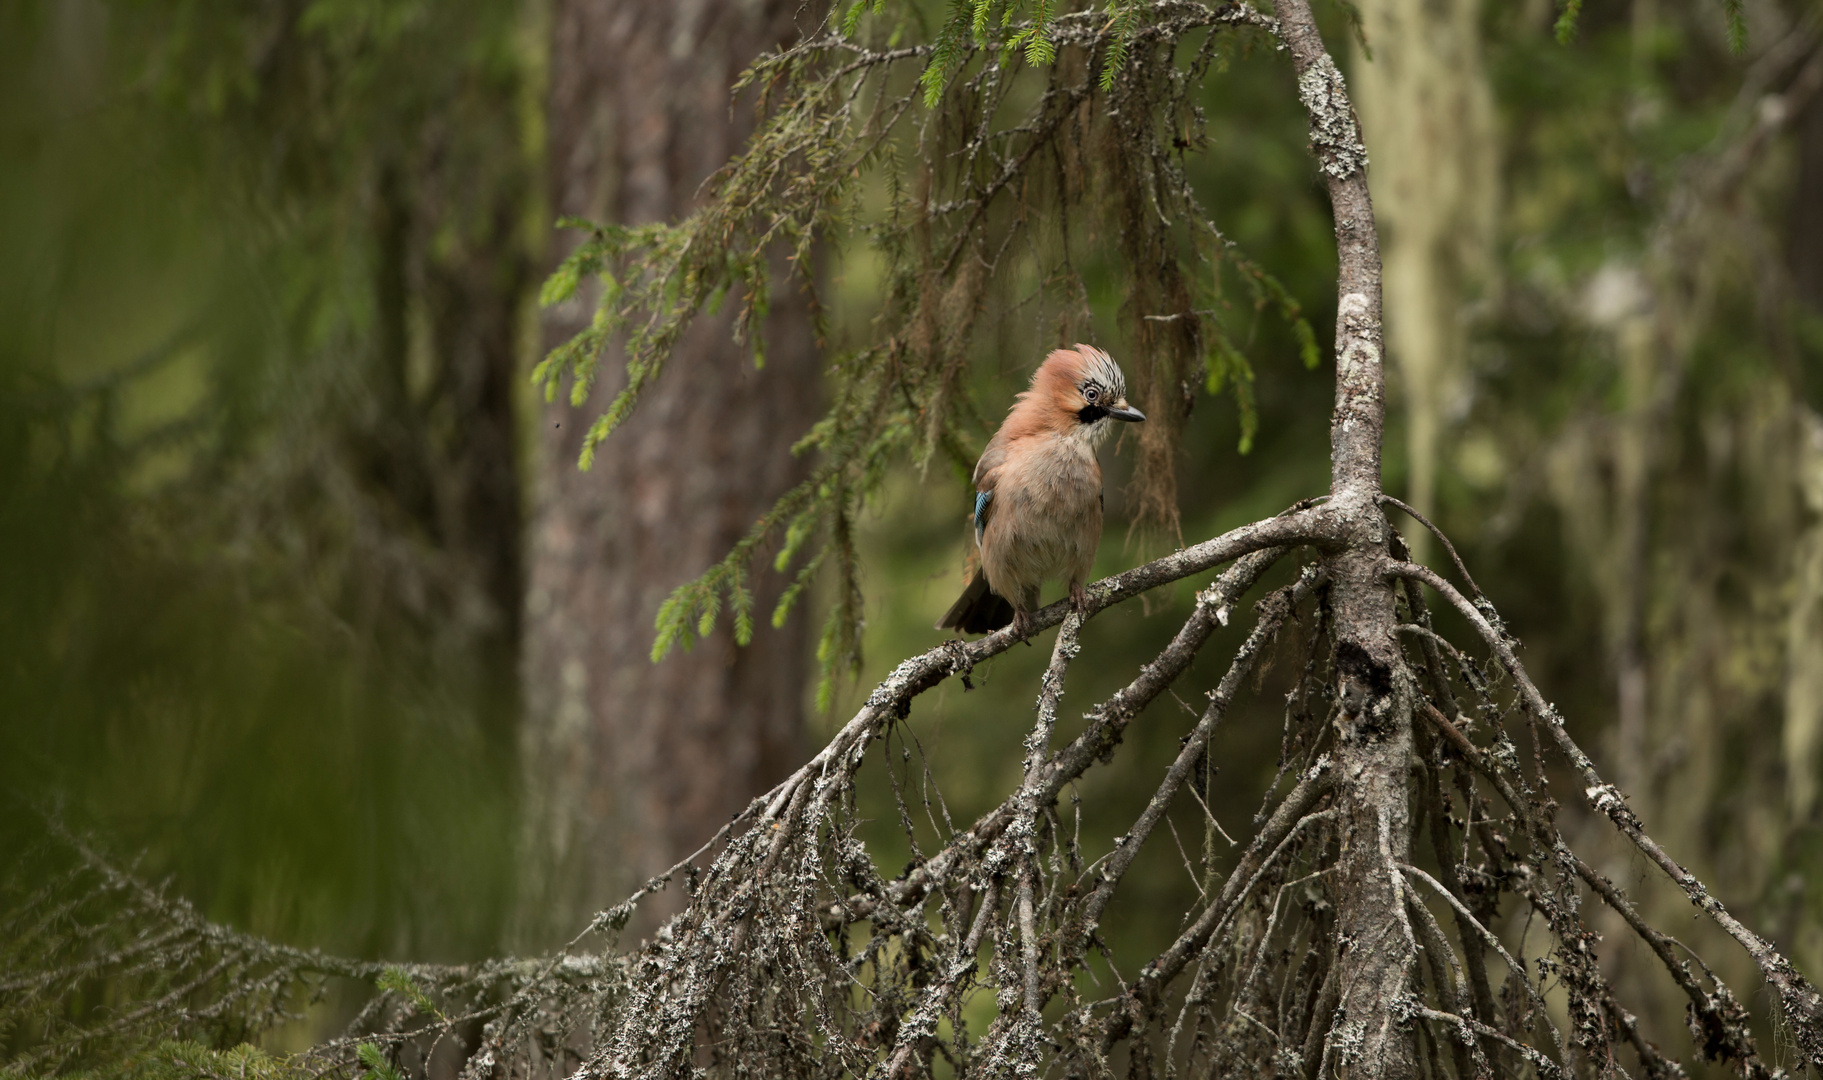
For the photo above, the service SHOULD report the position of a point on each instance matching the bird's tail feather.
(979, 610)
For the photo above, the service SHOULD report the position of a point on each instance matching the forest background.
(271, 458)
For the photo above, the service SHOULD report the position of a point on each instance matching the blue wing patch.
(981, 501)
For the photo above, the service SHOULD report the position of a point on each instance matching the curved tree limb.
(1802, 1004)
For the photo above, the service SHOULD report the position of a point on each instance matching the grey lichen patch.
(1358, 360)
(1333, 131)
(1348, 1039)
(1607, 799)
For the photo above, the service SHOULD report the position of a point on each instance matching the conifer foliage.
(978, 178)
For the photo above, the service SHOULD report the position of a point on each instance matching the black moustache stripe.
(1088, 414)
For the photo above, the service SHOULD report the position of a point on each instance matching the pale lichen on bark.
(1334, 134)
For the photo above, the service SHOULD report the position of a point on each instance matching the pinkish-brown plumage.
(1038, 490)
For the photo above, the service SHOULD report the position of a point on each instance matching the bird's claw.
(1079, 598)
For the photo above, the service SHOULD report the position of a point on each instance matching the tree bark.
(630, 765)
(1369, 1031)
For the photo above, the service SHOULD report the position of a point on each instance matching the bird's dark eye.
(1090, 394)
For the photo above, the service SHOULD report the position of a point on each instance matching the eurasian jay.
(1038, 495)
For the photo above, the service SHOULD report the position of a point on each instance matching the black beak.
(1126, 412)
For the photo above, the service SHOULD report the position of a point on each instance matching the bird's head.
(1084, 389)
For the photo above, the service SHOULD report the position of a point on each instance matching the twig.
(1291, 815)
(1273, 611)
(1513, 965)
(1803, 1005)
(1461, 568)
(1463, 1025)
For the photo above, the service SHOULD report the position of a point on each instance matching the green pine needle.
(1566, 22)
(378, 1068)
(1736, 13)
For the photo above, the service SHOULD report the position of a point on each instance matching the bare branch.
(1461, 568)
(1803, 1005)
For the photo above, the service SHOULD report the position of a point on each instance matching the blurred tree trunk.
(437, 455)
(632, 764)
(1805, 240)
(1428, 116)
(476, 299)
(1803, 732)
